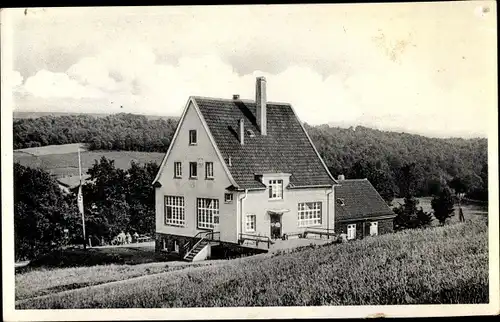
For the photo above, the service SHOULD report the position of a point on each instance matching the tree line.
(355, 152)
(47, 218)
(120, 132)
(383, 157)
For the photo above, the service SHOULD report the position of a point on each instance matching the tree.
(379, 178)
(41, 213)
(105, 196)
(141, 198)
(424, 219)
(459, 185)
(407, 180)
(406, 214)
(442, 205)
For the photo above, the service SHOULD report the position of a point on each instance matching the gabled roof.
(285, 149)
(72, 181)
(360, 200)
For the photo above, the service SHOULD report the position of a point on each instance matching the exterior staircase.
(198, 247)
(202, 248)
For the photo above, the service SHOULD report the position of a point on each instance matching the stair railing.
(194, 247)
(208, 235)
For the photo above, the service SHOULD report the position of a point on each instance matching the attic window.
(250, 133)
(340, 201)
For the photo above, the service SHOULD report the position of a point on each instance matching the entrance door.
(351, 231)
(275, 226)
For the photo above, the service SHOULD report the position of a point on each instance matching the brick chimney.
(236, 96)
(242, 132)
(260, 100)
(341, 177)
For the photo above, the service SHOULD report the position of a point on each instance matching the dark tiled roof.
(72, 181)
(360, 200)
(285, 148)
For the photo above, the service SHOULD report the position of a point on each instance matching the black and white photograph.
(250, 161)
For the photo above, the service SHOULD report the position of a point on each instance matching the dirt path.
(184, 265)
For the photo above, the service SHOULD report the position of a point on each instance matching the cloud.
(46, 84)
(13, 79)
(128, 78)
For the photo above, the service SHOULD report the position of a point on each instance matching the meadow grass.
(438, 265)
(67, 163)
(471, 211)
(54, 149)
(45, 280)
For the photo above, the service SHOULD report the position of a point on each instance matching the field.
(471, 211)
(62, 160)
(438, 265)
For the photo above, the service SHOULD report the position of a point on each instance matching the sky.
(424, 68)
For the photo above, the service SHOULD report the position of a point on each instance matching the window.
(228, 198)
(275, 189)
(193, 170)
(209, 170)
(250, 223)
(174, 211)
(207, 209)
(193, 138)
(176, 246)
(177, 169)
(351, 231)
(374, 228)
(309, 214)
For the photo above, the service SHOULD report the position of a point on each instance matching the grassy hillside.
(439, 265)
(66, 164)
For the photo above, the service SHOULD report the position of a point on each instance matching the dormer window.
(193, 137)
(275, 189)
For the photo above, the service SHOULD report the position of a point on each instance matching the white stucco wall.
(192, 189)
(258, 203)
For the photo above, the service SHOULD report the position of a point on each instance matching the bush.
(443, 205)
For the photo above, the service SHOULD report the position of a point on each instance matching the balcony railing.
(319, 231)
(256, 238)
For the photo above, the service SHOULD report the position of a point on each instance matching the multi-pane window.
(250, 222)
(209, 170)
(275, 189)
(206, 210)
(309, 214)
(193, 138)
(177, 169)
(193, 169)
(174, 211)
(228, 197)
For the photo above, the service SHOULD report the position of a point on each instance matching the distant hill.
(122, 131)
(33, 115)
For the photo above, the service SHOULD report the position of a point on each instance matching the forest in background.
(357, 152)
